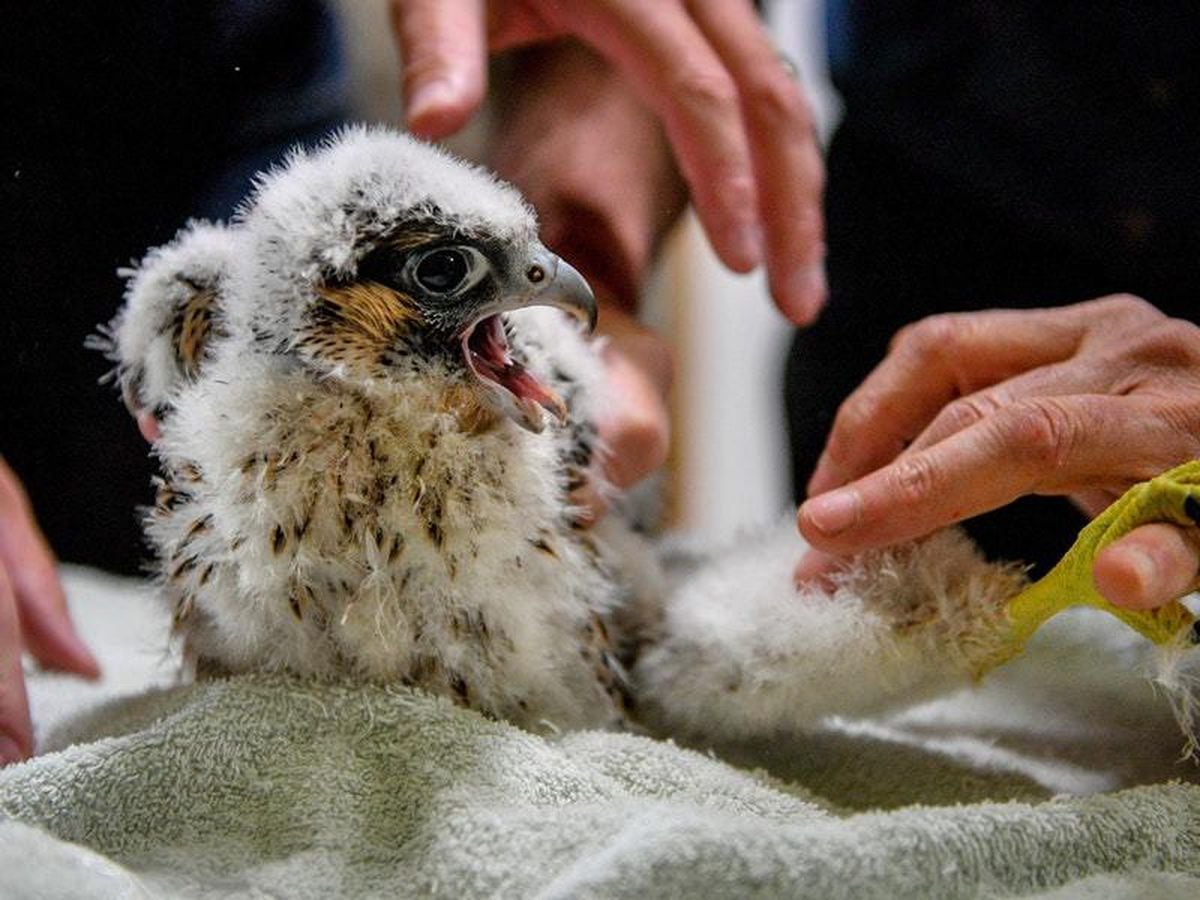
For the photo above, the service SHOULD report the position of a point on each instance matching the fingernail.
(1144, 576)
(804, 294)
(428, 96)
(748, 244)
(834, 512)
(10, 751)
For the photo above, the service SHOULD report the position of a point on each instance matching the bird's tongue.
(487, 355)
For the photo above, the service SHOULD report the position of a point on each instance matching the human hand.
(635, 430)
(970, 411)
(738, 124)
(33, 616)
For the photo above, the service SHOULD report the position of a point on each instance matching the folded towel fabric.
(263, 786)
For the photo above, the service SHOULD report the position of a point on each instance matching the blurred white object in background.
(733, 469)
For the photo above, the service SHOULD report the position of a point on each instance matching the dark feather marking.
(182, 568)
(541, 544)
(433, 528)
(183, 610)
(397, 548)
(271, 472)
(200, 526)
(459, 686)
(194, 322)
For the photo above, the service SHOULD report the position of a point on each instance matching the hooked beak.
(549, 280)
(545, 280)
(568, 290)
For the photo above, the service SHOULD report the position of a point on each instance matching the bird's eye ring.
(442, 271)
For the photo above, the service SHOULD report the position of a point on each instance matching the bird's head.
(379, 257)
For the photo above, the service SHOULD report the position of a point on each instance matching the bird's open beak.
(546, 280)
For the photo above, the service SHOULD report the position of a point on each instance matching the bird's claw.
(1173, 497)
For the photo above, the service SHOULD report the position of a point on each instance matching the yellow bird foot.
(1172, 497)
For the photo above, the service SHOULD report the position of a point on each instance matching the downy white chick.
(373, 412)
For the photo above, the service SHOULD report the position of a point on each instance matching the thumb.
(1148, 567)
(443, 50)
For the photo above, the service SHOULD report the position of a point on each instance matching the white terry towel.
(270, 787)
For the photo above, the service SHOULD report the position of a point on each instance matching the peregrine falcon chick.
(373, 412)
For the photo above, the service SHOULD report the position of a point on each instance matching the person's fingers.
(931, 363)
(33, 577)
(676, 72)
(1045, 445)
(16, 731)
(1075, 376)
(147, 424)
(1093, 501)
(783, 143)
(443, 50)
(635, 429)
(1148, 567)
(816, 569)
(637, 432)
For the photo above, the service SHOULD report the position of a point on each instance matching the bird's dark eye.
(442, 271)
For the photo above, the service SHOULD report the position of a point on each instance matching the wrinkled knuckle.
(933, 335)
(1172, 342)
(902, 338)
(777, 102)
(1181, 415)
(853, 419)
(1041, 432)
(700, 90)
(916, 479)
(1129, 306)
(732, 187)
(964, 412)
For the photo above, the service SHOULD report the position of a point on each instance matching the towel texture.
(271, 787)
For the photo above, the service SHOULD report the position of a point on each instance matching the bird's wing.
(172, 315)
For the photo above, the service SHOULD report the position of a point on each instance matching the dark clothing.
(123, 120)
(1001, 155)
